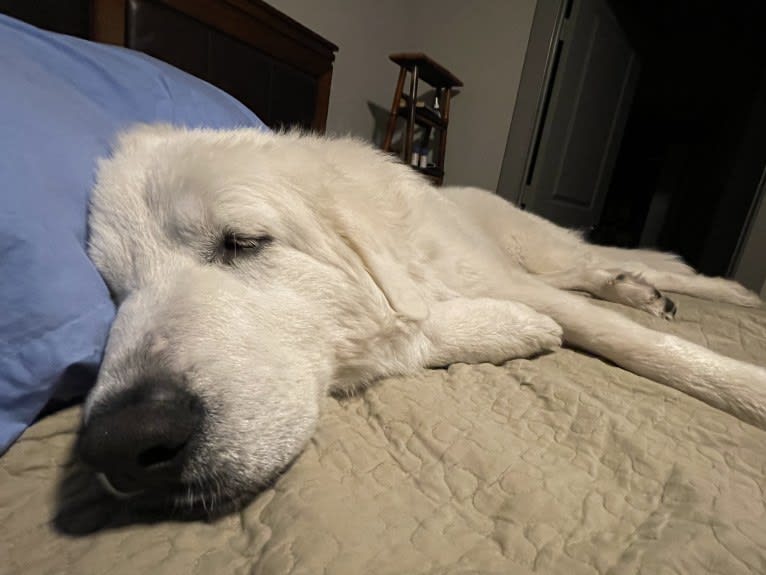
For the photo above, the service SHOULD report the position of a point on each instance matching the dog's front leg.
(460, 330)
(485, 330)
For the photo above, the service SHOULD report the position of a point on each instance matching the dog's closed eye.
(234, 245)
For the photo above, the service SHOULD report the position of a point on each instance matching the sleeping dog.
(256, 272)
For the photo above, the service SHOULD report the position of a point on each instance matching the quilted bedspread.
(560, 464)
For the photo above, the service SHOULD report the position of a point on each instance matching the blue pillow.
(62, 100)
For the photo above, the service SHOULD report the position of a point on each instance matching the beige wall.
(366, 32)
(482, 42)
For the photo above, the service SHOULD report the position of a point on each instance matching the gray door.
(580, 118)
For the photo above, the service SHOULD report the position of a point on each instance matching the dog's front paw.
(541, 333)
(551, 334)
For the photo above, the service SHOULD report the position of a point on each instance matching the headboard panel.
(277, 67)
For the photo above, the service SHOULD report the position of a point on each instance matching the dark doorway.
(692, 153)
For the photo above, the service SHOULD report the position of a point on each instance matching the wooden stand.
(421, 67)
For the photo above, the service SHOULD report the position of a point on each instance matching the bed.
(559, 464)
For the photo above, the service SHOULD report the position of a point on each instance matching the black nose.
(143, 437)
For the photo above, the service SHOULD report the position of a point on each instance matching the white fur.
(371, 272)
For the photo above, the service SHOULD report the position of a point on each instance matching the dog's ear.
(358, 232)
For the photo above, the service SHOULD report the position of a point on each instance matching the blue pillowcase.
(62, 100)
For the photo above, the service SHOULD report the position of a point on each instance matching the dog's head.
(241, 289)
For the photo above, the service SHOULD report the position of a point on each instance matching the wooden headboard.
(275, 66)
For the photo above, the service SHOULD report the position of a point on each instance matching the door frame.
(533, 97)
(747, 265)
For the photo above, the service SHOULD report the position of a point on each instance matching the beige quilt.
(561, 464)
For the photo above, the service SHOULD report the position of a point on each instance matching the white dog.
(255, 272)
